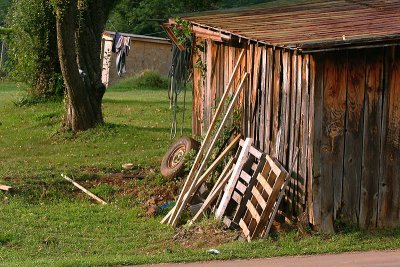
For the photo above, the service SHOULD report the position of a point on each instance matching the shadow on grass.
(109, 130)
(135, 101)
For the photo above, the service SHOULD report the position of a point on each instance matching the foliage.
(33, 47)
(150, 79)
(145, 16)
(4, 5)
(5, 32)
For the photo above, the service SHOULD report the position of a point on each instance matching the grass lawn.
(45, 221)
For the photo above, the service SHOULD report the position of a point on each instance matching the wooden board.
(196, 95)
(263, 98)
(284, 116)
(389, 184)
(354, 137)
(372, 135)
(276, 100)
(244, 154)
(297, 125)
(317, 145)
(310, 143)
(289, 197)
(335, 78)
(255, 112)
(269, 99)
(303, 156)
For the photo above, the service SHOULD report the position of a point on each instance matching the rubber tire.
(173, 163)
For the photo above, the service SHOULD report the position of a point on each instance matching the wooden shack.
(147, 53)
(324, 77)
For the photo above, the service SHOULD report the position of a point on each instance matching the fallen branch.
(84, 190)
(5, 187)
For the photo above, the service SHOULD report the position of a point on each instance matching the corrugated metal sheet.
(309, 23)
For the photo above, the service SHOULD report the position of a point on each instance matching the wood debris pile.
(249, 189)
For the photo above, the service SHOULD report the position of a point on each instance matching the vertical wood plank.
(227, 71)
(255, 95)
(268, 110)
(203, 88)
(263, 98)
(284, 121)
(296, 194)
(372, 134)
(317, 145)
(244, 96)
(389, 184)
(222, 71)
(249, 69)
(302, 178)
(310, 143)
(214, 79)
(335, 81)
(276, 101)
(196, 96)
(354, 137)
(208, 88)
(291, 188)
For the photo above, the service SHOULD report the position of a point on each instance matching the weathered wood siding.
(356, 137)
(340, 109)
(275, 108)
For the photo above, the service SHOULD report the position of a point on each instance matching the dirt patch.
(140, 185)
(205, 235)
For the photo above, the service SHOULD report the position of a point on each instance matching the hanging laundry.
(121, 46)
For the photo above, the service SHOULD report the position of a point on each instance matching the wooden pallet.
(237, 190)
(264, 199)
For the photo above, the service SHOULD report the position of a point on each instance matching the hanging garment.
(122, 47)
(115, 41)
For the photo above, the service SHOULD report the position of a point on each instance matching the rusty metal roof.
(307, 24)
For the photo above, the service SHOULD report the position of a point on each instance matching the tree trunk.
(79, 45)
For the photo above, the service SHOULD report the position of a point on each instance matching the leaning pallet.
(248, 180)
(266, 196)
(240, 186)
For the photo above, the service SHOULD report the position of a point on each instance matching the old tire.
(173, 163)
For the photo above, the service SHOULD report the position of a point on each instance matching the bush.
(33, 57)
(150, 78)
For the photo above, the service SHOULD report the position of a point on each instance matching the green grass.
(45, 221)
(136, 130)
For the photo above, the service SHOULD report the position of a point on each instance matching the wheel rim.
(176, 156)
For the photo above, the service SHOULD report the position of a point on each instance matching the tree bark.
(79, 44)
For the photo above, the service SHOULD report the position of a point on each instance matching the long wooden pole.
(84, 190)
(207, 137)
(217, 134)
(224, 177)
(210, 169)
